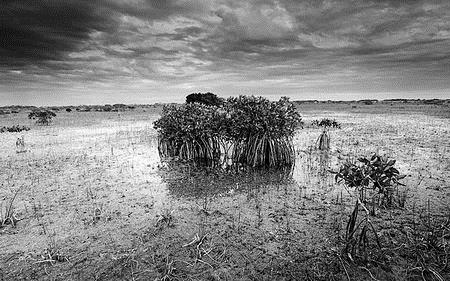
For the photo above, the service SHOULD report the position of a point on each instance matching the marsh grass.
(52, 253)
(420, 242)
(7, 211)
(427, 246)
(167, 270)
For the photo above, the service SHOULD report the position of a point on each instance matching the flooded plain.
(96, 202)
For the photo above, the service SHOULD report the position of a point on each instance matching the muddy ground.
(95, 202)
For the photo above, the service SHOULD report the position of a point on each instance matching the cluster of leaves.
(259, 130)
(326, 123)
(249, 116)
(206, 99)
(189, 121)
(375, 172)
(14, 129)
(44, 117)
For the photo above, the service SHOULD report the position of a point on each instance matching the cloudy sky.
(146, 51)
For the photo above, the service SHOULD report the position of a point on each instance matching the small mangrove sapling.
(324, 139)
(375, 173)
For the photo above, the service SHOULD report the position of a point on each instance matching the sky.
(70, 52)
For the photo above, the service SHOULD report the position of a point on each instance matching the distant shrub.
(14, 129)
(326, 123)
(256, 131)
(206, 99)
(323, 142)
(368, 102)
(433, 101)
(43, 117)
(68, 109)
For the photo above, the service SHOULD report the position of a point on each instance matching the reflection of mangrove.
(196, 181)
(316, 165)
(248, 130)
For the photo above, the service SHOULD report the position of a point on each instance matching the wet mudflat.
(96, 202)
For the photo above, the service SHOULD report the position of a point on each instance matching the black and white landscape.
(224, 140)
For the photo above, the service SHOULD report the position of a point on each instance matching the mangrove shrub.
(246, 129)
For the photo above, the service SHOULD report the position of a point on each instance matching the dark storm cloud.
(308, 43)
(36, 31)
(41, 30)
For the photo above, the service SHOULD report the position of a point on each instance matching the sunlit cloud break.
(138, 51)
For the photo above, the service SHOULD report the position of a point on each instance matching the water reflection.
(312, 169)
(190, 180)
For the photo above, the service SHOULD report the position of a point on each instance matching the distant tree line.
(101, 108)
